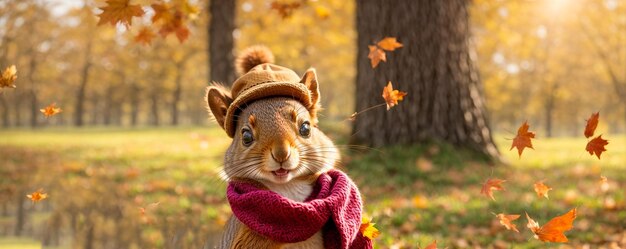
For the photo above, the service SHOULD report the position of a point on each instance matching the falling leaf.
(522, 140)
(367, 229)
(554, 229)
(392, 96)
(507, 221)
(592, 124)
(596, 146)
(50, 110)
(432, 245)
(542, 189)
(389, 44)
(119, 11)
(37, 196)
(376, 55)
(604, 184)
(145, 36)
(9, 75)
(490, 185)
(285, 10)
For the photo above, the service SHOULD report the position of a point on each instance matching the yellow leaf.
(367, 228)
(376, 55)
(119, 11)
(9, 75)
(322, 12)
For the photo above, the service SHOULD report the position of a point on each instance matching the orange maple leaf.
(392, 96)
(50, 110)
(554, 229)
(542, 189)
(522, 140)
(432, 245)
(596, 146)
(592, 124)
(490, 185)
(119, 11)
(285, 10)
(161, 12)
(37, 196)
(145, 36)
(389, 44)
(367, 228)
(376, 55)
(9, 75)
(507, 221)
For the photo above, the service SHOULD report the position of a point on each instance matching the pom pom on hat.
(252, 57)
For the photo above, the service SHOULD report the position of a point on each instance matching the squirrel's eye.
(305, 129)
(246, 137)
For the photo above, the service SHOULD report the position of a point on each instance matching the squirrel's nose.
(281, 152)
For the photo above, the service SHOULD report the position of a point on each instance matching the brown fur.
(275, 124)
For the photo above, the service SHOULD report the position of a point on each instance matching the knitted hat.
(261, 79)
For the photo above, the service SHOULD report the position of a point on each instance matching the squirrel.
(271, 115)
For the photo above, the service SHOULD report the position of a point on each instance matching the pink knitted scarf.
(334, 207)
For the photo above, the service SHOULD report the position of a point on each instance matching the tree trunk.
(176, 94)
(436, 68)
(34, 103)
(20, 219)
(5, 111)
(134, 104)
(82, 89)
(221, 27)
(154, 108)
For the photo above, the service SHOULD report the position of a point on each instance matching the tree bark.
(134, 104)
(221, 27)
(176, 94)
(82, 89)
(436, 68)
(20, 219)
(154, 108)
(34, 102)
(5, 111)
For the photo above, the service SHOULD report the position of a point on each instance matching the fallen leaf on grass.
(542, 189)
(490, 185)
(596, 146)
(554, 229)
(392, 96)
(604, 184)
(432, 245)
(37, 196)
(522, 140)
(507, 221)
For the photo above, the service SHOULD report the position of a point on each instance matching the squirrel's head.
(271, 114)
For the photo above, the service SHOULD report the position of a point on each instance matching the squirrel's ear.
(310, 80)
(218, 99)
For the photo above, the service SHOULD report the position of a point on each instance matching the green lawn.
(101, 177)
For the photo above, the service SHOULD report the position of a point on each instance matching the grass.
(415, 194)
